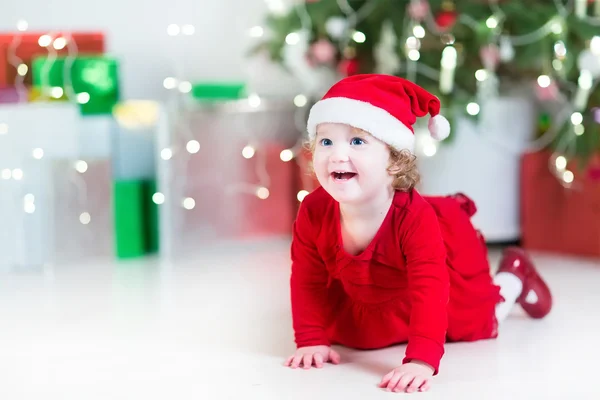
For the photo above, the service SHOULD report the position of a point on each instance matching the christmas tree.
(463, 51)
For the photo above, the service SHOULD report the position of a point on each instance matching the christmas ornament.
(446, 18)
(490, 56)
(596, 113)
(348, 67)
(548, 93)
(418, 9)
(322, 51)
(507, 51)
(336, 26)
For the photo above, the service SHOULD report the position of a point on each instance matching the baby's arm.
(425, 252)
(308, 284)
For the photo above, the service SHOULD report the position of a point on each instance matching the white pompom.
(439, 127)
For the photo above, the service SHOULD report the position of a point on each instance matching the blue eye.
(326, 142)
(357, 141)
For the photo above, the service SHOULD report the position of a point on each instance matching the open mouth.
(343, 176)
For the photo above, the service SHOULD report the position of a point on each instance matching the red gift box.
(249, 211)
(555, 218)
(13, 95)
(26, 47)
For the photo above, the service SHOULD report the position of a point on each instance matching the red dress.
(423, 280)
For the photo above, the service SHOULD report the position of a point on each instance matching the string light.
(170, 83)
(44, 40)
(257, 31)
(286, 155)
(568, 176)
(57, 92)
(262, 193)
(300, 100)
(429, 149)
(173, 30)
(491, 22)
(166, 154)
(60, 43)
(561, 163)
(576, 118)
(248, 152)
(17, 174)
(85, 218)
(544, 81)
(188, 29)
(158, 198)
(3, 128)
(448, 64)
(188, 203)
(254, 100)
(22, 69)
(359, 37)
(579, 130)
(81, 166)
(6, 174)
(414, 55)
(22, 25)
(83, 97)
(473, 108)
(481, 75)
(419, 31)
(193, 146)
(38, 153)
(301, 195)
(292, 38)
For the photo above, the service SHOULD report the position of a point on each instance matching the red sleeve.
(308, 284)
(425, 253)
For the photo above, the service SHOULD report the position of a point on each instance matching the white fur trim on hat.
(439, 127)
(362, 115)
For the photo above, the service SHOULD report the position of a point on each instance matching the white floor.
(218, 327)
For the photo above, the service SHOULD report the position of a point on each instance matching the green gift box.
(94, 80)
(217, 91)
(136, 218)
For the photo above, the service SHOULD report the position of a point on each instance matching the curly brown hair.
(402, 166)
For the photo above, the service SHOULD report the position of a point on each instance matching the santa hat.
(384, 106)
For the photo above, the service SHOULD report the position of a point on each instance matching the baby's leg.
(511, 288)
(520, 282)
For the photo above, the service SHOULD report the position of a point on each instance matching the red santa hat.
(384, 106)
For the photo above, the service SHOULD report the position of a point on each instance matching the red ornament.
(418, 9)
(322, 51)
(548, 93)
(446, 18)
(348, 67)
(490, 56)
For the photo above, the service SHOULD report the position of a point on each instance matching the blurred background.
(151, 167)
(135, 129)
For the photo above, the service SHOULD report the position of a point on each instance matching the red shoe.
(535, 298)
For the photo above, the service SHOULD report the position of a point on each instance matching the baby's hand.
(409, 377)
(317, 354)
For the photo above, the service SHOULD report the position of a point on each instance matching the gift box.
(94, 81)
(28, 45)
(560, 219)
(262, 199)
(135, 218)
(10, 95)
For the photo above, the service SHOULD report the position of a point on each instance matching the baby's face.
(350, 164)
